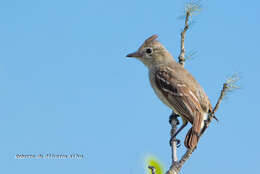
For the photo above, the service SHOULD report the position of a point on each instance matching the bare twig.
(191, 8)
(232, 83)
(183, 34)
(228, 86)
(222, 94)
(152, 168)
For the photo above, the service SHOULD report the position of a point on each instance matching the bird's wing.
(179, 95)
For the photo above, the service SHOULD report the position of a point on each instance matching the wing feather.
(178, 94)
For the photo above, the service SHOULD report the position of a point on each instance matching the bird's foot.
(174, 117)
(178, 142)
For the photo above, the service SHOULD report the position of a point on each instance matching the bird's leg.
(180, 129)
(174, 122)
(177, 132)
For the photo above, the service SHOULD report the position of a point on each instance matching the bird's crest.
(151, 39)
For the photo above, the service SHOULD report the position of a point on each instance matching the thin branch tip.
(152, 168)
(232, 83)
(193, 7)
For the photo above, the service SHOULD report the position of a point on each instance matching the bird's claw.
(178, 142)
(174, 116)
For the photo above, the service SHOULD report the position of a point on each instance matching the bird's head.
(152, 53)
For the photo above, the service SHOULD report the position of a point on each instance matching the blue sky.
(66, 86)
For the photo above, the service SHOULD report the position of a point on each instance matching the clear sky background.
(66, 86)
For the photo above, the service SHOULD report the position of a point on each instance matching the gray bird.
(175, 87)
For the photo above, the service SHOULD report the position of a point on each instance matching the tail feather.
(192, 137)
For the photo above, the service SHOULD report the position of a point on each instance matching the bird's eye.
(149, 50)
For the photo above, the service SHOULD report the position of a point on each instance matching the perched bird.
(175, 87)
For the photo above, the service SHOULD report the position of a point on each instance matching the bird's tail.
(192, 137)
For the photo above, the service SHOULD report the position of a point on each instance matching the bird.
(175, 87)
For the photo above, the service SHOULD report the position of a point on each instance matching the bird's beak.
(135, 54)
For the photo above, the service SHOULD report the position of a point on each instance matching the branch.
(228, 86)
(152, 168)
(191, 8)
(183, 34)
(174, 123)
(173, 120)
